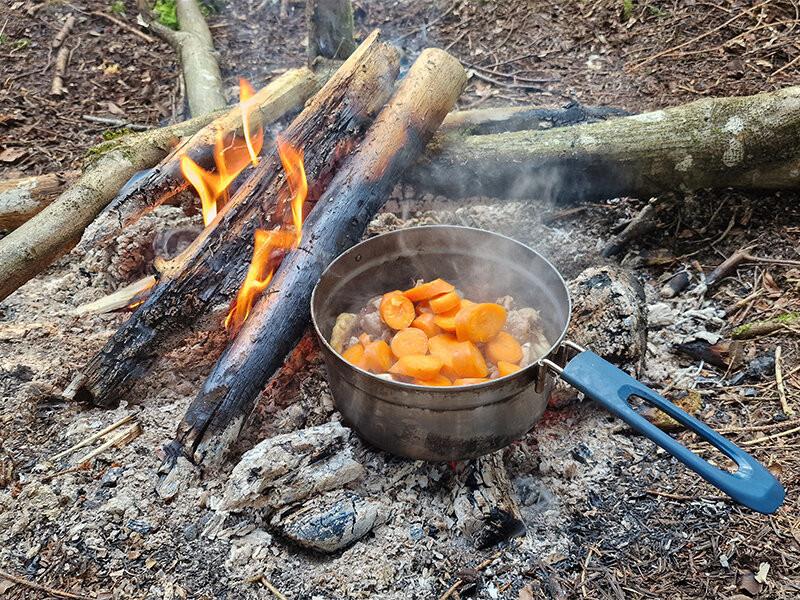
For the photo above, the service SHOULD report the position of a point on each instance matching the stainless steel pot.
(456, 423)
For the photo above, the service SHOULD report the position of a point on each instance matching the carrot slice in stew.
(470, 380)
(480, 322)
(354, 354)
(428, 290)
(507, 368)
(504, 347)
(409, 341)
(378, 356)
(418, 366)
(468, 360)
(442, 346)
(425, 322)
(445, 302)
(397, 311)
(438, 381)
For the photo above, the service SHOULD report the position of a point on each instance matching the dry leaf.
(111, 69)
(749, 584)
(763, 570)
(10, 155)
(114, 109)
(526, 593)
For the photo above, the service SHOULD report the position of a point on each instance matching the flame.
(267, 243)
(231, 155)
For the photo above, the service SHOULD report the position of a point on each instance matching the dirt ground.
(620, 521)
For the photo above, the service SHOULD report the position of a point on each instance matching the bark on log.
(275, 100)
(338, 221)
(330, 29)
(213, 267)
(32, 247)
(749, 142)
(22, 198)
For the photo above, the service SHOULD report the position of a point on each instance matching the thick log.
(337, 222)
(330, 29)
(22, 198)
(213, 267)
(749, 142)
(275, 100)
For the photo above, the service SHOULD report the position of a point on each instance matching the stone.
(111, 477)
(291, 467)
(328, 522)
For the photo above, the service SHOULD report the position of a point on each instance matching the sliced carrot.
(397, 311)
(480, 322)
(504, 347)
(442, 346)
(438, 381)
(507, 368)
(409, 341)
(378, 357)
(470, 380)
(425, 322)
(418, 366)
(354, 354)
(423, 308)
(445, 322)
(428, 290)
(445, 302)
(468, 360)
(364, 339)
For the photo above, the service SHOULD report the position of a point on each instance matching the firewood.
(55, 230)
(213, 267)
(745, 142)
(330, 29)
(62, 56)
(359, 189)
(22, 198)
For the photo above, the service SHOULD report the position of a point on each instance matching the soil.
(607, 513)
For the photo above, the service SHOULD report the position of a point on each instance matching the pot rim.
(526, 372)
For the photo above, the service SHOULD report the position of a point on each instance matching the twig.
(119, 440)
(682, 496)
(115, 123)
(124, 26)
(771, 437)
(759, 328)
(787, 410)
(726, 267)
(763, 427)
(668, 51)
(480, 567)
(639, 225)
(62, 57)
(261, 578)
(129, 296)
(41, 588)
(83, 443)
(493, 81)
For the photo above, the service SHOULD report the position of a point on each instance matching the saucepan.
(462, 422)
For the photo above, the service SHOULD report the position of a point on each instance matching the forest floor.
(623, 521)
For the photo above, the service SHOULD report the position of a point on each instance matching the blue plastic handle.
(751, 485)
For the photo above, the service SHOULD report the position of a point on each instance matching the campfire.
(351, 356)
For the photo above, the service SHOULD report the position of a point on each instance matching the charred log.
(340, 218)
(213, 267)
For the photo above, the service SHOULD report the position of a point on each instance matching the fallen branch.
(747, 142)
(20, 199)
(124, 25)
(759, 328)
(339, 219)
(330, 29)
(212, 268)
(41, 588)
(195, 47)
(643, 223)
(62, 56)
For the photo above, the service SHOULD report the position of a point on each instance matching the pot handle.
(751, 485)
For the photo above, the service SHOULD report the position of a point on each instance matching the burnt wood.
(213, 267)
(338, 221)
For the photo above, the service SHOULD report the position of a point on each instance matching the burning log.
(213, 267)
(55, 230)
(338, 221)
(22, 198)
(748, 142)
